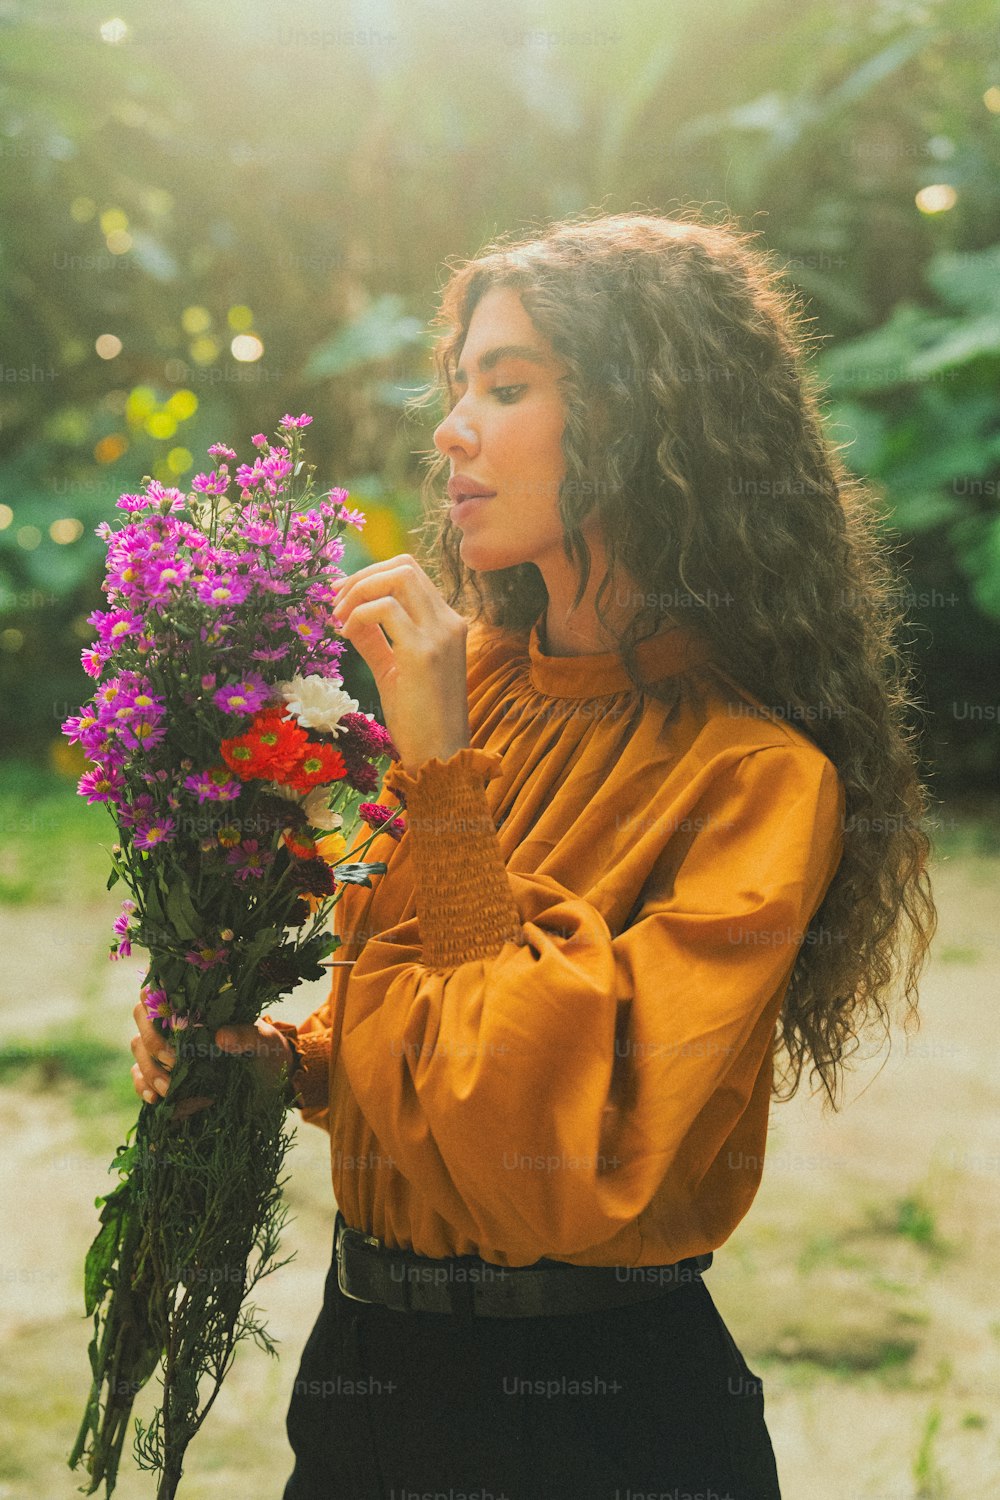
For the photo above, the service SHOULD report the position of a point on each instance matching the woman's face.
(504, 433)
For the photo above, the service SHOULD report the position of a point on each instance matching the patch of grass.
(101, 1072)
(51, 839)
(911, 1218)
(969, 827)
(930, 1481)
(953, 954)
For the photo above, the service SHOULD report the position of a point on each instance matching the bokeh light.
(110, 448)
(246, 347)
(196, 319)
(108, 345)
(66, 530)
(937, 198)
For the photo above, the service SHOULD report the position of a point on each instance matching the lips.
(462, 488)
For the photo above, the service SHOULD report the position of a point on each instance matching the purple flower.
(123, 947)
(248, 859)
(102, 784)
(270, 653)
(121, 922)
(243, 697)
(116, 626)
(133, 503)
(222, 589)
(219, 450)
(305, 626)
(152, 832)
(93, 661)
(79, 726)
(205, 956)
(211, 484)
(288, 421)
(141, 733)
(377, 813)
(156, 1003)
(248, 475)
(160, 495)
(133, 812)
(213, 786)
(261, 533)
(352, 517)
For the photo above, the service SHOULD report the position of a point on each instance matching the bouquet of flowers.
(234, 765)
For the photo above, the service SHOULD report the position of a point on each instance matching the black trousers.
(627, 1403)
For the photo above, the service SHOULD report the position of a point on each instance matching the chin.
(482, 558)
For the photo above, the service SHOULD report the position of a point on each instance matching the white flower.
(317, 703)
(317, 809)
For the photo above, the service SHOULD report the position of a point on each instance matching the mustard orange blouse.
(557, 1036)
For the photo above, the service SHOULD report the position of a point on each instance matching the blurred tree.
(219, 212)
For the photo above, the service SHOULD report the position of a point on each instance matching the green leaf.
(180, 910)
(382, 331)
(259, 946)
(104, 1250)
(113, 879)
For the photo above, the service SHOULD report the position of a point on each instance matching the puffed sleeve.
(500, 1084)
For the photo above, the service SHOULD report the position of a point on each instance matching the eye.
(506, 394)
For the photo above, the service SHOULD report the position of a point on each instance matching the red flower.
(300, 844)
(318, 765)
(269, 750)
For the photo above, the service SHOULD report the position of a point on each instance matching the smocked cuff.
(465, 905)
(309, 1084)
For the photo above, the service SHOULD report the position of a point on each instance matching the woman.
(651, 729)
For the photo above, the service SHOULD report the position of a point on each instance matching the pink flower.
(210, 484)
(103, 784)
(249, 859)
(302, 421)
(157, 1005)
(377, 813)
(259, 440)
(243, 697)
(352, 517)
(213, 786)
(153, 832)
(219, 450)
(206, 956)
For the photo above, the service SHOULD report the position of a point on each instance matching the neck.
(565, 631)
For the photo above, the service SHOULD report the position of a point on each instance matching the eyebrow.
(504, 351)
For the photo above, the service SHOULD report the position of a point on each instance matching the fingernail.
(166, 1060)
(149, 1096)
(161, 1085)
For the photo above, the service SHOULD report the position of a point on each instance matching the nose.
(456, 432)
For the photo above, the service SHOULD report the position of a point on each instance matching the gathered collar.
(667, 654)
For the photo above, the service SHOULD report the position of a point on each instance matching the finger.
(244, 1039)
(364, 631)
(153, 1039)
(141, 1086)
(401, 582)
(402, 559)
(154, 1073)
(191, 1106)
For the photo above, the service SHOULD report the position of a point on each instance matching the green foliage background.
(304, 173)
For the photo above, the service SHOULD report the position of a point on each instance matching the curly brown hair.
(694, 427)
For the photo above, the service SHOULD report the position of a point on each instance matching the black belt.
(370, 1271)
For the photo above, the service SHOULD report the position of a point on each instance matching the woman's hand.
(154, 1057)
(420, 670)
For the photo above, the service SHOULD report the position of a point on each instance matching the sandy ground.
(860, 1286)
